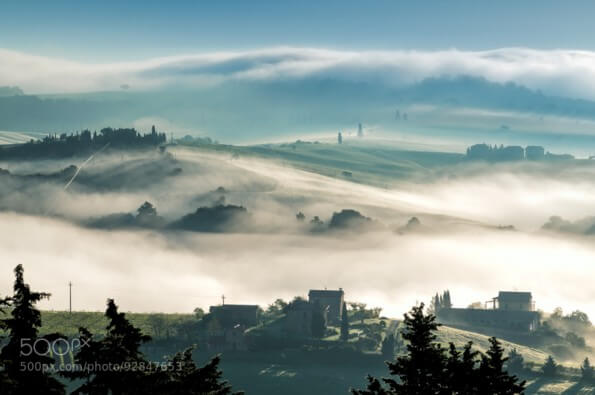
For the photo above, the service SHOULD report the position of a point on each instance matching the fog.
(558, 72)
(458, 247)
(151, 272)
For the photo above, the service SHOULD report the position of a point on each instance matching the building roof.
(325, 293)
(234, 307)
(514, 295)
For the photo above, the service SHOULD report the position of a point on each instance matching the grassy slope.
(17, 137)
(68, 324)
(460, 337)
(374, 164)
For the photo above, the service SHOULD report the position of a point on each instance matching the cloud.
(560, 72)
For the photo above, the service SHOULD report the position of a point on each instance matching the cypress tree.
(344, 324)
(587, 372)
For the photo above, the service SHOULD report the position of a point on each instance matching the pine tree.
(119, 350)
(587, 371)
(516, 362)
(24, 356)
(422, 370)
(494, 378)
(344, 324)
(550, 367)
(427, 370)
(462, 376)
(186, 378)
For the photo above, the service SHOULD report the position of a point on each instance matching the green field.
(68, 323)
(18, 137)
(369, 163)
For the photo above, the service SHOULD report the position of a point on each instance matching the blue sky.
(117, 30)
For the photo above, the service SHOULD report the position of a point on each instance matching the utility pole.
(70, 297)
(223, 300)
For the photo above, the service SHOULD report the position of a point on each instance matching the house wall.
(299, 322)
(514, 320)
(230, 315)
(334, 303)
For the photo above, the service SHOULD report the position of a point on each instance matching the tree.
(421, 371)
(24, 359)
(558, 314)
(146, 210)
(300, 217)
(579, 317)
(186, 378)
(198, 313)
(158, 324)
(446, 303)
(575, 340)
(316, 221)
(426, 369)
(344, 323)
(440, 302)
(587, 371)
(119, 349)
(515, 362)
(462, 376)
(318, 324)
(359, 310)
(388, 347)
(550, 367)
(434, 304)
(494, 378)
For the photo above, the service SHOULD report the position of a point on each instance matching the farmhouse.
(513, 311)
(330, 300)
(230, 315)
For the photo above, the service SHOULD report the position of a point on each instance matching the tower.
(360, 130)
(340, 138)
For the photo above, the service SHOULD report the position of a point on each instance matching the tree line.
(66, 145)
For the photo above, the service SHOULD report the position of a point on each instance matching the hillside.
(374, 163)
(18, 137)
(329, 371)
(464, 107)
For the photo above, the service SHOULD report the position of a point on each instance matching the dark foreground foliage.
(112, 364)
(428, 368)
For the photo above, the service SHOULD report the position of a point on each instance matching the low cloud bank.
(451, 248)
(152, 272)
(558, 72)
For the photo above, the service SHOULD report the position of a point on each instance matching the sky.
(67, 46)
(109, 31)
